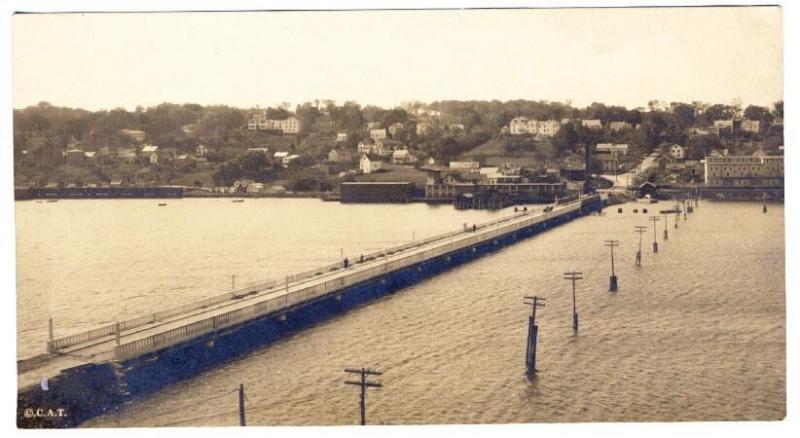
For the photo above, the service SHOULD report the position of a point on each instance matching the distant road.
(624, 180)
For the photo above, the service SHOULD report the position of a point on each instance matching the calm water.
(697, 333)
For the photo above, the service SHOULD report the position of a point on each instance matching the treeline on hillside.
(44, 131)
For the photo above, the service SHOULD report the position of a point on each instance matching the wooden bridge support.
(533, 337)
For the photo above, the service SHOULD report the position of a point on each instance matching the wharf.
(136, 353)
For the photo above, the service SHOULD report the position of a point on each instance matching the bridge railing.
(357, 275)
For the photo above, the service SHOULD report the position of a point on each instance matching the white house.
(368, 166)
(339, 156)
(619, 126)
(592, 123)
(467, 165)
(200, 151)
(615, 148)
(341, 137)
(677, 151)
(723, 124)
(151, 153)
(751, 125)
(288, 159)
(402, 156)
(264, 151)
(289, 125)
(377, 133)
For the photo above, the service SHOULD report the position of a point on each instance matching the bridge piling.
(533, 334)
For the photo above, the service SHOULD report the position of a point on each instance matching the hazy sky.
(615, 56)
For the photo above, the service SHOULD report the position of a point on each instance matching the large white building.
(744, 171)
(259, 121)
(612, 148)
(523, 125)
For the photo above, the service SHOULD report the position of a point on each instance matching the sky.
(623, 56)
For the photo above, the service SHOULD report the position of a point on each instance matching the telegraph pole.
(364, 384)
(242, 421)
(612, 281)
(533, 333)
(574, 276)
(684, 210)
(654, 219)
(666, 233)
(641, 229)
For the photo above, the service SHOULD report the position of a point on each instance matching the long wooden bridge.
(165, 329)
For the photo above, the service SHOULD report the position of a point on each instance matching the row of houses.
(746, 125)
(548, 128)
(370, 164)
(149, 153)
(491, 186)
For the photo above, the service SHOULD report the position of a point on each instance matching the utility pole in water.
(666, 233)
(612, 281)
(364, 384)
(654, 219)
(641, 229)
(574, 276)
(242, 421)
(533, 333)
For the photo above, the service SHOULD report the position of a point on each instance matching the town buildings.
(259, 121)
(402, 156)
(150, 153)
(619, 126)
(592, 123)
(744, 171)
(368, 165)
(377, 133)
(751, 125)
(612, 148)
(465, 165)
(523, 126)
(339, 155)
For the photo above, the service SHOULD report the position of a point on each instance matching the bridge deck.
(103, 348)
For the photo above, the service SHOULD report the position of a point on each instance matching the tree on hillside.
(754, 112)
(565, 139)
(702, 145)
(777, 109)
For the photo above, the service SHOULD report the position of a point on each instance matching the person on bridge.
(474, 228)
(346, 263)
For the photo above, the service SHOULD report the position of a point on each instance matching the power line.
(654, 219)
(641, 230)
(612, 282)
(364, 384)
(574, 276)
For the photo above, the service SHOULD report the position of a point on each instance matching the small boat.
(162, 204)
(52, 200)
(237, 200)
(670, 211)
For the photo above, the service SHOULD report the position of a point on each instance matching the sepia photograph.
(386, 217)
